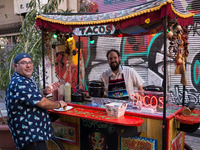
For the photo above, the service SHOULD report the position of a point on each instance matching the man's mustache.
(114, 62)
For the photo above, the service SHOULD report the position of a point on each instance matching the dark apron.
(117, 88)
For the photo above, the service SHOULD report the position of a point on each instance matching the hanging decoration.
(69, 47)
(65, 57)
(178, 48)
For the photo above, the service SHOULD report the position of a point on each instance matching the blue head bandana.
(21, 56)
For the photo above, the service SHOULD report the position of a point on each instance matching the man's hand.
(63, 104)
(50, 88)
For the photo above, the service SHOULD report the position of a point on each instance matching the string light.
(55, 35)
(70, 38)
(118, 33)
(91, 40)
(167, 30)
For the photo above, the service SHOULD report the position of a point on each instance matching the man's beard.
(114, 68)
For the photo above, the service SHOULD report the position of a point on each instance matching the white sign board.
(94, 30)
(21, 6)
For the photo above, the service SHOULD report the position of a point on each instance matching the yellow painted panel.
(173, 132)
(143, 128)
(154, 131)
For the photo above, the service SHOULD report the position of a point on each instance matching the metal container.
(153, 88)
(77, 97)
(96, 88)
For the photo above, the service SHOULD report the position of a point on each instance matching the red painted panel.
(101, 116)
(193, 118)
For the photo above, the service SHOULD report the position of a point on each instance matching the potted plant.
(6, 141)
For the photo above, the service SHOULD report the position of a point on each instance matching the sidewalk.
(3, 109)
(2, 105)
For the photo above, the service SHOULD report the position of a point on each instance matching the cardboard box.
(115, 109)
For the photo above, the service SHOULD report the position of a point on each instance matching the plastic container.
(61, 92)
(116, 109)
(67, 92)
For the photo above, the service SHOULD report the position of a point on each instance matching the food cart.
(86, 124)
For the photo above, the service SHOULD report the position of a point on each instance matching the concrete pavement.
(3, 109)
(2, 105)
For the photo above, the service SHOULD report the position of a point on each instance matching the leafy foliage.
(30, 41)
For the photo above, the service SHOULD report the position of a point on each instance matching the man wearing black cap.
(29, 121)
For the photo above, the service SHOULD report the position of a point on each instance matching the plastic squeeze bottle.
(61, 92)
(67, 92)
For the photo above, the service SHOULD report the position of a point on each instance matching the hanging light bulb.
(55, 35)
(118, 33)
(168, 30)
(70, 37)
(91, 40)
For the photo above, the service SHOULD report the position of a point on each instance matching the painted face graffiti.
(97, 141)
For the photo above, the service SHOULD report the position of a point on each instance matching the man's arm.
(103, 78)
(45, 103)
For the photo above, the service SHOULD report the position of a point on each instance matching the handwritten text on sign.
(94, 30)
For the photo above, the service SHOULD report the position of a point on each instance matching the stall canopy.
(145, 18)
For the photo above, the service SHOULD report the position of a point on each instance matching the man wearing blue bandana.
(29, 120)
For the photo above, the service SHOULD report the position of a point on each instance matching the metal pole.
(43, 60)
(183, 100)
(79, 47)
(164, 124)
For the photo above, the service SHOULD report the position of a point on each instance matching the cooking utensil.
(153, 88)
(96, 88)
(191, 105)
(77, 97)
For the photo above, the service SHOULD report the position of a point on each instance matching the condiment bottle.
(67, 92)
(55, 95)
(61, 92)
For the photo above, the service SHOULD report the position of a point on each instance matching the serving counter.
(87, 126)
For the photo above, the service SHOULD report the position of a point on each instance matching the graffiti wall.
(145, 53)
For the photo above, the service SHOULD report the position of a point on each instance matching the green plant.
(30, 41)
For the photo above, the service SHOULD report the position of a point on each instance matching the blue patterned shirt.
(27, 122)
